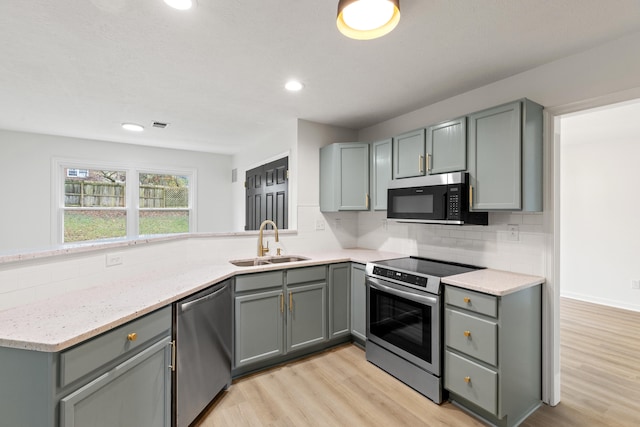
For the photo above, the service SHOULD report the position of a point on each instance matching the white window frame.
(132, 193)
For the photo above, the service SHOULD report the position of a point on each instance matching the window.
(96, 202)
(164, 203)
(94, 205)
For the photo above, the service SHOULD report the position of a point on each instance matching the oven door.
(405, 322)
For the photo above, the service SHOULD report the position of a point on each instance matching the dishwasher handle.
(186, 306)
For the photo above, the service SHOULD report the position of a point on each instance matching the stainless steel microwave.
(433, 199)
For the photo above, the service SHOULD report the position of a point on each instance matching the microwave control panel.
(454, 198)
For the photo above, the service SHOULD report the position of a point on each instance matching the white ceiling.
(216, 72)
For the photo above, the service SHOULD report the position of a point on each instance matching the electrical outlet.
(114, 259)
(635, 284)
(385, 224)
(319, 225)
(513, 233)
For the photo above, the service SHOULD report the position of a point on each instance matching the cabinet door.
(259, 325)
(135, 393)
(408, 154)
(495, 158)
(381, 173)
(344, 177)
(358, 302)
(447, 147)
(306, 315)
(354, 173)
(339, 300)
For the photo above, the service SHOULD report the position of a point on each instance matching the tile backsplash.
(488, 246)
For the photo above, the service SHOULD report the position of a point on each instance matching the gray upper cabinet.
(409, 154)
(339, 300)
(381, 173)
(447, 146)
(505, 157)
(344, 177)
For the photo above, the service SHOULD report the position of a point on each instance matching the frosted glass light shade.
(180, 4)
(367, 19)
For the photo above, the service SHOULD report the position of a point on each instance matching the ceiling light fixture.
(180, 4)
(367, 19)
(293, 86)
(133, 127)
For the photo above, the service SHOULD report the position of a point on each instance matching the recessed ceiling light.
(180, 4)
(293, 85)
(133, 127)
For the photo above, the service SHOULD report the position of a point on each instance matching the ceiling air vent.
(160, 125)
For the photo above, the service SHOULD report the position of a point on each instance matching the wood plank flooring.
(600, 374)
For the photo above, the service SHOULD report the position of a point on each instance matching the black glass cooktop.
(426, 266)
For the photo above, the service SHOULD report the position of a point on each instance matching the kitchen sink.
(281, 259)
(252, 262)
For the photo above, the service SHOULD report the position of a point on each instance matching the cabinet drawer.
(255, 281)
(471, 335)
(471, 381)
(89, 356)
(470, 300)
(307, 274)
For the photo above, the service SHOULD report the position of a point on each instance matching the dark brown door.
(267, 194)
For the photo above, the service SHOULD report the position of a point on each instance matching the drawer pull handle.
(467, 300)
(467, 380)
(132, 336)
(467, 334)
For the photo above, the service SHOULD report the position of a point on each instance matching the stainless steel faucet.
(262, 250)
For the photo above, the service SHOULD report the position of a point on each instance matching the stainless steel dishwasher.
(203, 350)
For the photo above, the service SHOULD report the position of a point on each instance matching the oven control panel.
(400, 276)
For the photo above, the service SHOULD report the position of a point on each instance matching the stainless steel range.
(404, 318)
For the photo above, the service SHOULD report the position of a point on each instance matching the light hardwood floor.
(600, 371)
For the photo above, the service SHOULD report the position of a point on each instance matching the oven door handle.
(403, 294)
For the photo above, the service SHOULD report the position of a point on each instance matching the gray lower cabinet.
(279, 312)
(306, 315)
(339, 300)
(381, 173)
(358, 303)
(135, 393)
(505, 157)
(447, 146)
(344, 177)
(259, 326)
(409, 154)
(493, 354)
(120, 378)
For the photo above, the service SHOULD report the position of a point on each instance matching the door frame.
(551, 391)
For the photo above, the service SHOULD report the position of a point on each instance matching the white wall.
(596, 72)
(341, 226)
(600, 205)
(279, 144)
(25, 174)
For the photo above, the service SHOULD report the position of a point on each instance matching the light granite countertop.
(494, 282)
(61, 322)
